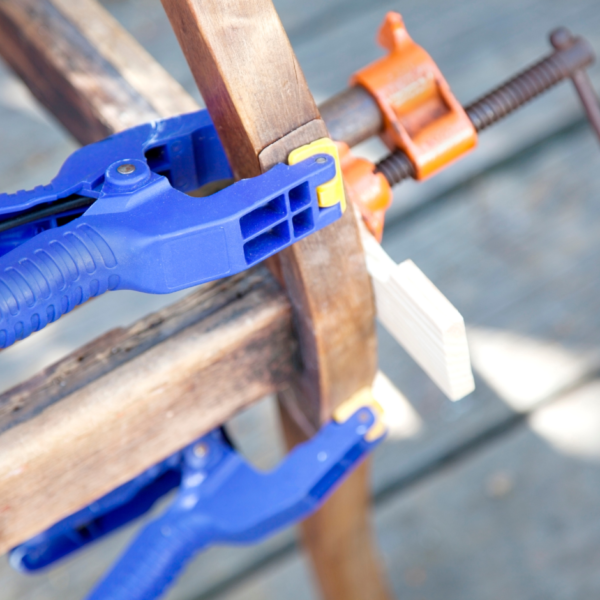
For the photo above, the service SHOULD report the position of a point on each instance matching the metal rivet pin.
(321, 160)
(126, 169)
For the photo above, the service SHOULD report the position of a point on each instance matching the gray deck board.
(511, 236)
(515, 519)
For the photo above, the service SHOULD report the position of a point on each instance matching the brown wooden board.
(89, 91)
(102, 434)
(244, 66)
(255, 91)
(118, 346)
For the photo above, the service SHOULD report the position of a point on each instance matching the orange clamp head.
(368, 190)
(422, 116)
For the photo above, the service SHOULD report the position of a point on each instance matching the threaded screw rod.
(569, 59)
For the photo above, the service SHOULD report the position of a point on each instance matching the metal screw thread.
(517, 91)
(574, 54)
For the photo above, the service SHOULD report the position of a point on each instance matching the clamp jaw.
(116, 217)
(221, 499)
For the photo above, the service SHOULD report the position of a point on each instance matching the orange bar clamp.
(421, 116)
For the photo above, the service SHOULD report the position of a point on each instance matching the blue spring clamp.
(116, 217)
(221, 499)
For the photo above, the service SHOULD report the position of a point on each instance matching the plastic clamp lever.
(421, 115)
(332, 192)
(134, 229)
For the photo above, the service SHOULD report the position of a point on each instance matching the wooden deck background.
(498, 495)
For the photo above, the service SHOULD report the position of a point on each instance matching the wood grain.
(256, 93)
(118, 346)
(146, 76)
(102, 435)
(262, 108)
(247, 73)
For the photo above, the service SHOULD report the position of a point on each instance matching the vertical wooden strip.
(247, 73)
(261, 105)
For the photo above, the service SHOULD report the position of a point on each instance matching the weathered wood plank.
(232, 61)
(119, 346)
(142, 411)
(257, 96)
(226, 56)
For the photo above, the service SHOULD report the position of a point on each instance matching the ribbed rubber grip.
(49, 275)
(151, 563)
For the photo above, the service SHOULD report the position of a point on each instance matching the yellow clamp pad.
(364, 397)
(331, 192)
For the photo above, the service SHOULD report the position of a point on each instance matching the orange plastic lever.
(422, 116)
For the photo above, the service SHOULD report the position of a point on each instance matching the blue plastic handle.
(149, 566)
(141, 232)
(143, 235)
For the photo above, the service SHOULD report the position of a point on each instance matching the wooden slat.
(421, 319)
(241, 49)
(261, 106)
(249, 78)
(103, 434)
(118, 346)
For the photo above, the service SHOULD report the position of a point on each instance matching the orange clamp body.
(422, 116)
(368, 190)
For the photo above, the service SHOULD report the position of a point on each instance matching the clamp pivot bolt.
(126, 169)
